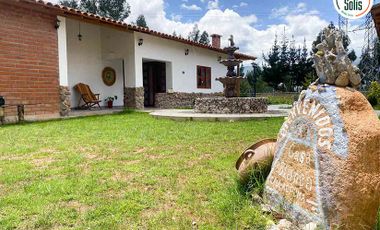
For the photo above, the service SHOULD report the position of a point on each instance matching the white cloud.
(241, 4)
(176, 17)
(300, 8)
(213, 4)
(280, 12)
(190, 7)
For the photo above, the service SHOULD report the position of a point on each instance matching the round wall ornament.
(109, 76)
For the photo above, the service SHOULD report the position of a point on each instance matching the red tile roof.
(66, 11)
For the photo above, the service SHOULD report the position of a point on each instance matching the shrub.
(372, 100)
(374, 93)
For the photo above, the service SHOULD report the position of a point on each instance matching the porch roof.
(93, 18)
(375, 11)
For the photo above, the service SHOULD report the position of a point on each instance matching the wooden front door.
(154, 77)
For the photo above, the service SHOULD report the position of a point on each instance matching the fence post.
(20, 113)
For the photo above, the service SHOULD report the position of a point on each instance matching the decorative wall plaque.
(109, 76)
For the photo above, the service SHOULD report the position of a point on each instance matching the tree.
(69, 3)
(346, 42)
(90, 6)
(261, 86)
(194, 35)
(369, 63)
(272, 70)
(115, 9)
(141, 21)
(174, 34)
(204, 39)
(287, 65)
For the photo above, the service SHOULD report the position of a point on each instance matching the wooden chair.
(87, 96)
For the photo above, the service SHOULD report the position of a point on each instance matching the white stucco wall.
(87, 59)
(184, 76)
(103, 46)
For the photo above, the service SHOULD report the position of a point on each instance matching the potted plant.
(110, 100)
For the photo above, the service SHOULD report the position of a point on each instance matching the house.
(46, 49)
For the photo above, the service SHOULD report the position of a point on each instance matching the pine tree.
(115, 9)
(140, 21)
(90, 6)
(194, 35)
(69, 3)
(272, 71)
(174, 34)
(204, 39)
(369, 62)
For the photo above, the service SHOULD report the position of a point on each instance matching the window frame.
(204, 72)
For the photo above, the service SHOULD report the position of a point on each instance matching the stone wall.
(134, 98)
(180, 100)
(65, 105)
(232, 105)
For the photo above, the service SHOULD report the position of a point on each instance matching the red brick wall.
(28, 60)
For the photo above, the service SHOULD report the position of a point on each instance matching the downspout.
(124, 102)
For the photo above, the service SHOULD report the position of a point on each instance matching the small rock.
(342, 80)
(283, 225)
(257, 199)
(311, 226)
(355, 79)
(266, 208)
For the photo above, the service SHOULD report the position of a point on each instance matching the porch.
(106, 60)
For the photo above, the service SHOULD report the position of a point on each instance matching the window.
(204, 77)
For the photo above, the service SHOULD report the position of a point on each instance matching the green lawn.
(281, 99)
(127, 171)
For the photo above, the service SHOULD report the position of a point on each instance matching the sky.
(254, 23)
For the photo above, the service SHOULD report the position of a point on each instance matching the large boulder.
(327, 161)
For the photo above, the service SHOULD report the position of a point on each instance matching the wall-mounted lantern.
(79, 34)
(141, 42)
(57, 24)
(187, 52)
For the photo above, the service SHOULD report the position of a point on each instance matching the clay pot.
(110, 104)
(259, 154)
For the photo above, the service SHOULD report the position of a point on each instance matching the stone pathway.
(190, 115)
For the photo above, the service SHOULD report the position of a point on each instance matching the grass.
(281, 99)
(127, 171)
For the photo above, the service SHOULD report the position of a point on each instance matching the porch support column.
(62, 52)
(64, 90)
(134, 90)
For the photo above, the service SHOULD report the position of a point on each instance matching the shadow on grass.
(24, 123)
(256, 180)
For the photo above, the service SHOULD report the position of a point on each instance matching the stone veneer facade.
(232, 105)
(134, 97)
(65, 105)
(180, 100)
